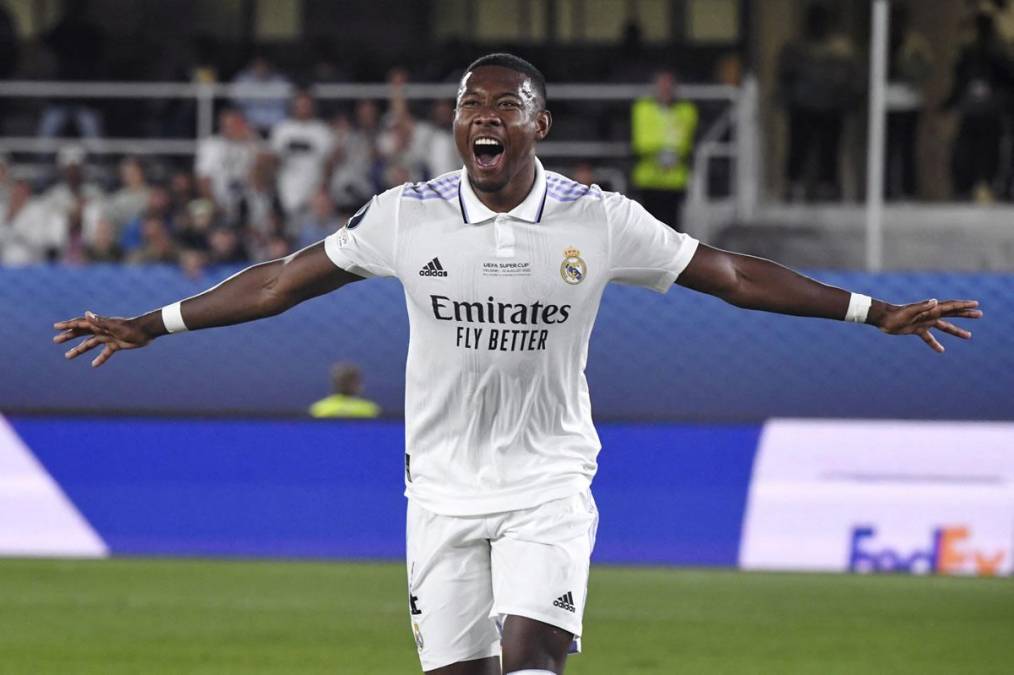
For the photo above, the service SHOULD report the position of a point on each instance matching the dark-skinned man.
(503, 265)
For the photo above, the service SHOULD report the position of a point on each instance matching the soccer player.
(503, 265)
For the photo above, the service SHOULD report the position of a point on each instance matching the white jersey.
(501, 306)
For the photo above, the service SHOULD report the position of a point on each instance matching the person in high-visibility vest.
(662, 134)
(345, 401)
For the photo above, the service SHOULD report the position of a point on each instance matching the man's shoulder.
(443, 188)
(564, 190)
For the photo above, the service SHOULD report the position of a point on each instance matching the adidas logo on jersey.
(433, 269)
(565, 601)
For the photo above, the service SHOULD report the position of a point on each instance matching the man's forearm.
(756, 283)
(257, 292)
(243, 297)
(767, 286)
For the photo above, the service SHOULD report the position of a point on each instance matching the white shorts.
(466, 573)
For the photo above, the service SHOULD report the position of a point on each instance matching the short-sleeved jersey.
(501, 307)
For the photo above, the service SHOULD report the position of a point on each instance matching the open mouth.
(488, 152)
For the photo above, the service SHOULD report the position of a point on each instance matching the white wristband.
(859, 308)
(172, 317)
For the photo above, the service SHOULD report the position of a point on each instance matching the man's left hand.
(919, 317)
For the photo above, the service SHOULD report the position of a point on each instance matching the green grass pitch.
(194, 616)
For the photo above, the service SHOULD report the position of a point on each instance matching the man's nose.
(487, 116)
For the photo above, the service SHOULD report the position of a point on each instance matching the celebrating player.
(503, 264)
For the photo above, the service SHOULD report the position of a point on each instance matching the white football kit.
(500, 446)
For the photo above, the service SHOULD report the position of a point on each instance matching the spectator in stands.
(909, 67)
(303, 145)
(75, 203)
(103, 246)
(437, 142)
(224, 163)
(355, 155)
(260, 77)
(78, 45)
(157, 245)
(260, 244)
(319, 222)
(400, 149)
(132, 198)
(158, 206)
(818, 84)
(401, 152)
(193, 230)
(71, 187)
(226, 247)
(663, 128)
(347, 380)
(728, 72)
(182, 191)
(261, 214)
(29, 232)
(981, 95)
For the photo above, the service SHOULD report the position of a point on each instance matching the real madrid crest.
(573, 269)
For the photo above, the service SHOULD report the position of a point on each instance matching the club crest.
(573, 269)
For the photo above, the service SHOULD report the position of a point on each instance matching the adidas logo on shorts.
(565, 601)
(433, 269)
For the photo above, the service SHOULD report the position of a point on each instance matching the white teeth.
(487, 141)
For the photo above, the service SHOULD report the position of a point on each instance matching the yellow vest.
(662, 138)
(338, 405)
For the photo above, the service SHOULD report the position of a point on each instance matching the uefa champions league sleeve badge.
(573, 269)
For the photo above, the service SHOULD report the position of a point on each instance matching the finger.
(89, 344)
(925, 311)
(70, 324)
(966, 314)
(97, 322)
(959, 304)
(70, 335)
(951, 329)
(949, 307)
(928, 338)
(105, 354)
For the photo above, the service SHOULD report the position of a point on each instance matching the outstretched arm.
(257, 292)
(756, 283)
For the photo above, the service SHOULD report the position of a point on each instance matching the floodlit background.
(777, 494)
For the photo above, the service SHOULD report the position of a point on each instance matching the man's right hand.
(113, 333)
(259, 291)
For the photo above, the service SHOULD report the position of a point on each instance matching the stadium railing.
(205, 95)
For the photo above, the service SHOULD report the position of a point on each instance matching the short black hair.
(516, 63)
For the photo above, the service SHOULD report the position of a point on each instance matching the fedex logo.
(948, 553)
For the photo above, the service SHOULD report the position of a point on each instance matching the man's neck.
(510, 195)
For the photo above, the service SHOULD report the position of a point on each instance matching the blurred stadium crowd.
(275, 177)
(282, 172)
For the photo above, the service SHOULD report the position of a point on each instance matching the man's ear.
(544, 121)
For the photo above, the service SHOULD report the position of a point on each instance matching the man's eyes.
(506, 105)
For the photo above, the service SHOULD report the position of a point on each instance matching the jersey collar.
(474, 211)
